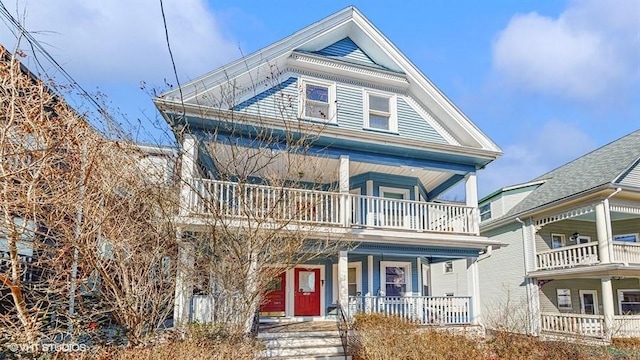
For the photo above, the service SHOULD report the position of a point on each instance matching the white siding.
(451, 283)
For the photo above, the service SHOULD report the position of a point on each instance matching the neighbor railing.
(229, 199)
(577, 324)
(626, 326)
(626, 252)
(568, 256)
(448, 310)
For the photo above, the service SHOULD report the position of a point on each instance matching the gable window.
(318, 101)
(485, 212)
(448, 267)
(380, 111)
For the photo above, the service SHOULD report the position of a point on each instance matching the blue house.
(378, 143)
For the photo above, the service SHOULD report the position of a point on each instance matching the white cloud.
(591, 48)
(534, 154)
(115, 41)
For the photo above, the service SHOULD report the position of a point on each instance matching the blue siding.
(280, 101)
(412, 125)
(349, 107)
(347, 50)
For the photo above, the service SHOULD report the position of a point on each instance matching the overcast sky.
(547, 80)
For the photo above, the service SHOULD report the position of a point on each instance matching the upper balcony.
(585, 255)
(262, 203)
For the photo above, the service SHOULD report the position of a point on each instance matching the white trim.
(290, 293)
(406, 193)
(393, 110)
(595, 300)
(407, 274)
(583, 239)
(637, 237)
(370, 275)
(620, 291)
(563, 240)
(302, 98)
(358, 266)
(426, 269)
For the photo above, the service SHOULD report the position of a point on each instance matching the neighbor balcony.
(585, 255)
(228, 200)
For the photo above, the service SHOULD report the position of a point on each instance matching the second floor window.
(380, 112)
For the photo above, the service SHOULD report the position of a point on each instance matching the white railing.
(626, 252)
(568, 256)
(229, 199)
(424, 310)
(576, 324)
(626, 326)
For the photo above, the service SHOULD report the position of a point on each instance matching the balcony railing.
(261, 202)
(573, 324)
(626, 252)
(568, 256)
(426, 310)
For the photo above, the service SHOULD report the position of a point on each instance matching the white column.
(345, 213)
(471, 196)
(370, 214)
(343, 279)
(607, 305)
(370, 275)
(473, 289)
(602, 232)
(184, 282)
(187, 172)
(533, 304)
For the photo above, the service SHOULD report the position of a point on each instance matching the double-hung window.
(395, 278)
(380, 111)
(629, 301)
(318, 101)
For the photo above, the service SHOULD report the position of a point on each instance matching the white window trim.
(302, 98)
(358, 266)
(625, 235)
(405, 192)
(444, 267)
(580, 239)
(595, 300)
(563, 240)
(488, 211)
(393, 110)
(620, 291)
(558, 300)
(407, 274)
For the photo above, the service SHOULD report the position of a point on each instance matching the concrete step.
(307, 341)
(297, 335)
(314, 357)
(304, 351)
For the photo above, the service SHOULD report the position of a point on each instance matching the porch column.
(343, 279)
(473, 289)
(601, 210)
(533, 306)
(187, 172)
(345, 213)
(184, 282)
(471, 195)
(607, 306)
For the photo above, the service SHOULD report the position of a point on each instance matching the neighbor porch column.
(471, 196)
(473, 285)
(187, 173)
(607, 306)
(345, 209)
(184, 282)
(343, 279)
(602, 208)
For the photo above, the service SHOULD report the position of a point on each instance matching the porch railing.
(626, 252)
(29, 272)
(576, 324)
(568, 256)
(626, 326)
(233, 200)
(426, 310)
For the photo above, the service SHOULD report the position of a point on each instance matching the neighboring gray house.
(572, 264)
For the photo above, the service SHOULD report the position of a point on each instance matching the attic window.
(318, 101)
(380, 111)
(485, 212)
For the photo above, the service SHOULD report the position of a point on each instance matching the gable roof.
(603, 166)
(348, 37)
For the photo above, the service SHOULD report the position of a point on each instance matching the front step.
(303, 345)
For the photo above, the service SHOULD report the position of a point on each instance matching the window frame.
(445, 268)
(352, 265)
(407, 275)
(567, 295)
(487, 210)
(393, 110)
(302, 100)
(620, 296)
(634, 235)
(563, 240)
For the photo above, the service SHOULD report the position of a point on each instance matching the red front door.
(274, 298)
(307, 292)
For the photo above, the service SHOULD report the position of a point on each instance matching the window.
(318, 101)
(396, 278)
(626, 237)
(448, 267)
(380, 111)
(629, 301)
(564, 298)
(557, 241)
(354, 279)
(485, 212)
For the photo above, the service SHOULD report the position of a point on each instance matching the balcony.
(223, 199)
(586, 254)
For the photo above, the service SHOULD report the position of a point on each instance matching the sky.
(546, 80)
